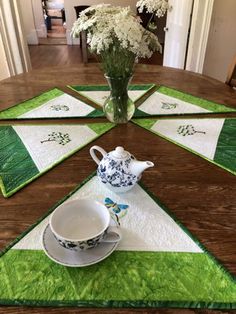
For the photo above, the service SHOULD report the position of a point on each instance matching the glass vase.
(118, 107)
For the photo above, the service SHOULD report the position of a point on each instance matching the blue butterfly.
(117, 209)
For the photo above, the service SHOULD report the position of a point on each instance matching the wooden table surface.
(200, 194)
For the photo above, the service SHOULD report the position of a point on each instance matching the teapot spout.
(137, 167)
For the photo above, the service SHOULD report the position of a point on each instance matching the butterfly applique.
(117, 210)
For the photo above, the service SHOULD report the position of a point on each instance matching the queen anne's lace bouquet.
(157, 7)
(117, 36)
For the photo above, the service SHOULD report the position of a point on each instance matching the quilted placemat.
(99, 93)
(212, 139)
(28, 151)
(51, 104)
(158, 263)
(168, 101)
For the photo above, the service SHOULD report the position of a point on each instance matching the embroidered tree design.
(166, 105)
(60, 108)
(188, 130)
(60, 138)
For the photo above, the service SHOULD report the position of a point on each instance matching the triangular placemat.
(99, 93)
(51, 104)
(28, 151)
(212, 139)
(157, 263)
(168, 101)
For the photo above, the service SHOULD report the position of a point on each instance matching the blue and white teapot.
(118, 169)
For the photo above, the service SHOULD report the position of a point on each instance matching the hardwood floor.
(43, 56)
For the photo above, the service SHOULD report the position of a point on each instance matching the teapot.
(118, 169)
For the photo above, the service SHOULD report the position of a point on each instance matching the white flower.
(158, 7)
(107, 26)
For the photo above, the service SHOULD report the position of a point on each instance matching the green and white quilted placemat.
(52, 104)
(28, 151)
(212, 139)
(168, 101)
(157, 263)
(99, 93)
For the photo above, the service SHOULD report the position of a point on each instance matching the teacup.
(81, 224)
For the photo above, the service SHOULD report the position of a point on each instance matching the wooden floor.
(44, 56)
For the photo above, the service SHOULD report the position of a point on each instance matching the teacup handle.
(93, 155)
(113, 235)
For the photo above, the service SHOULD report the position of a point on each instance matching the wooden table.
(200, 194)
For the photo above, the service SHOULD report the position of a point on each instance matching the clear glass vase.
(118, 107)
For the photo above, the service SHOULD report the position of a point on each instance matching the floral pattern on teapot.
(116, 172)
(118, 169)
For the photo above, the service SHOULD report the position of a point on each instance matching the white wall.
(71, 16)
(221, 46)
(39, 18)
(28, 21)
(4, 70)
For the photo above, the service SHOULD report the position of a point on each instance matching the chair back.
(231, 76)
(80, 8)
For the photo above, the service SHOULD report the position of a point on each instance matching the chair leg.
(84, 47)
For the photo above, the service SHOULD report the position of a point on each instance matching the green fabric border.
(121, 304)
(145, 123)
(203, 103)
(95, 126)
(197, 101)
(15, 111)
(102, 87)
(13, 153)
(226, 145)
(83, 88)
(61, 274)
(30, 104)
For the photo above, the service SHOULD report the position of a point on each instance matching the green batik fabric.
(81, 88)
(28, 151)
(211, 139)
(52, 104)
(165, 101)
(124, 279)
(226, 147)
(19, 109)
(16, 165)
(135, 278)
(206, 104)
(99, 93)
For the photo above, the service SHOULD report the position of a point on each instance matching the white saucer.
(70, 258)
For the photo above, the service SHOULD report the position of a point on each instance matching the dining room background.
(195, 35)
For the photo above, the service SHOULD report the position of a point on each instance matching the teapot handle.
(93, 155)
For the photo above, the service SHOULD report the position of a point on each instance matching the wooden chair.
(83, 37)
(231, 76)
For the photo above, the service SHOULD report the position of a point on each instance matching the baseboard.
(32, 38)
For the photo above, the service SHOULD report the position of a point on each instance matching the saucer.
(69, 258)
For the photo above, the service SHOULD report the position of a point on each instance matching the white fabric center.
(194, 138)
(159, 103)
(145, 227)
(47, 144)
(100, 96)
(62, 106)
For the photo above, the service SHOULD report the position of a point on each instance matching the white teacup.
(81, 224)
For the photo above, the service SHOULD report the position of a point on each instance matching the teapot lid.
(120, 153)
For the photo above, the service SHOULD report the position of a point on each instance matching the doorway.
(55, 21)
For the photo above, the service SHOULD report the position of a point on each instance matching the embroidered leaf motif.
(60, 108)
(166, 105)
(60, 138)
(188, 130)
